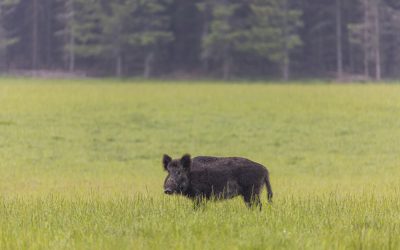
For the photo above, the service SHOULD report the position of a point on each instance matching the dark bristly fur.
(206, 177)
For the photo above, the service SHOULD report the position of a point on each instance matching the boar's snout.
(168, 191)
(170, 186)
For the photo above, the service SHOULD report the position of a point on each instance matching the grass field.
(80, 164)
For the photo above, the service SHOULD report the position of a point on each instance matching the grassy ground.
(80, 164)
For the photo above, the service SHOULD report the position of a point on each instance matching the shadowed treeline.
(355, 40)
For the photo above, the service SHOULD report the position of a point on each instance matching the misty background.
(350, 40)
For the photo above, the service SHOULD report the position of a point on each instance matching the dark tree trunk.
(148, 63)
(34, 34)
(49, 35)
(71, 65)
(286, 56)
(226, 63)
(339, 52)
(226, 68)
(118, 66)
(286, 68)
(365, 40)
(377, 41)
(205, 32)
(71, 51)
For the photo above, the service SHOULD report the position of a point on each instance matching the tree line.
(357, 39)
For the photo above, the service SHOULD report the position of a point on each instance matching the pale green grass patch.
(80, 164)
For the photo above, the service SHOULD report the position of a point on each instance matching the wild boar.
(207, 177)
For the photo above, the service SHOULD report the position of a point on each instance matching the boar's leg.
(251, 197)
(199, 202)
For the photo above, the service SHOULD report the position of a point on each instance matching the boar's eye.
(178, 172)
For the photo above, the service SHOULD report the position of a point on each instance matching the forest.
(354, 40)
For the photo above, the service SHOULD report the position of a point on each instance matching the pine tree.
(81, 30)
(7, 38)
(115, 33)
(393, 4)
(122, 27)
(68, 31)
(339, 39)
(224, 33)
(389, 39)
(149, 30)
(275, 32)
(367, 34)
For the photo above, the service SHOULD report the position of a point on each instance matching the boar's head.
(178, 170)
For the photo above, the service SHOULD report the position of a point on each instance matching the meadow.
(80, 164)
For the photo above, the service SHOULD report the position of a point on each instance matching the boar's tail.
(269, 188)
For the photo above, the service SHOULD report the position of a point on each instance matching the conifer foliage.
(281, 39)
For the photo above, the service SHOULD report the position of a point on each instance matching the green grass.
(80, 164)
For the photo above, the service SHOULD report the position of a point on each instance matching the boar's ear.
(166, 160)
(186, 161)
